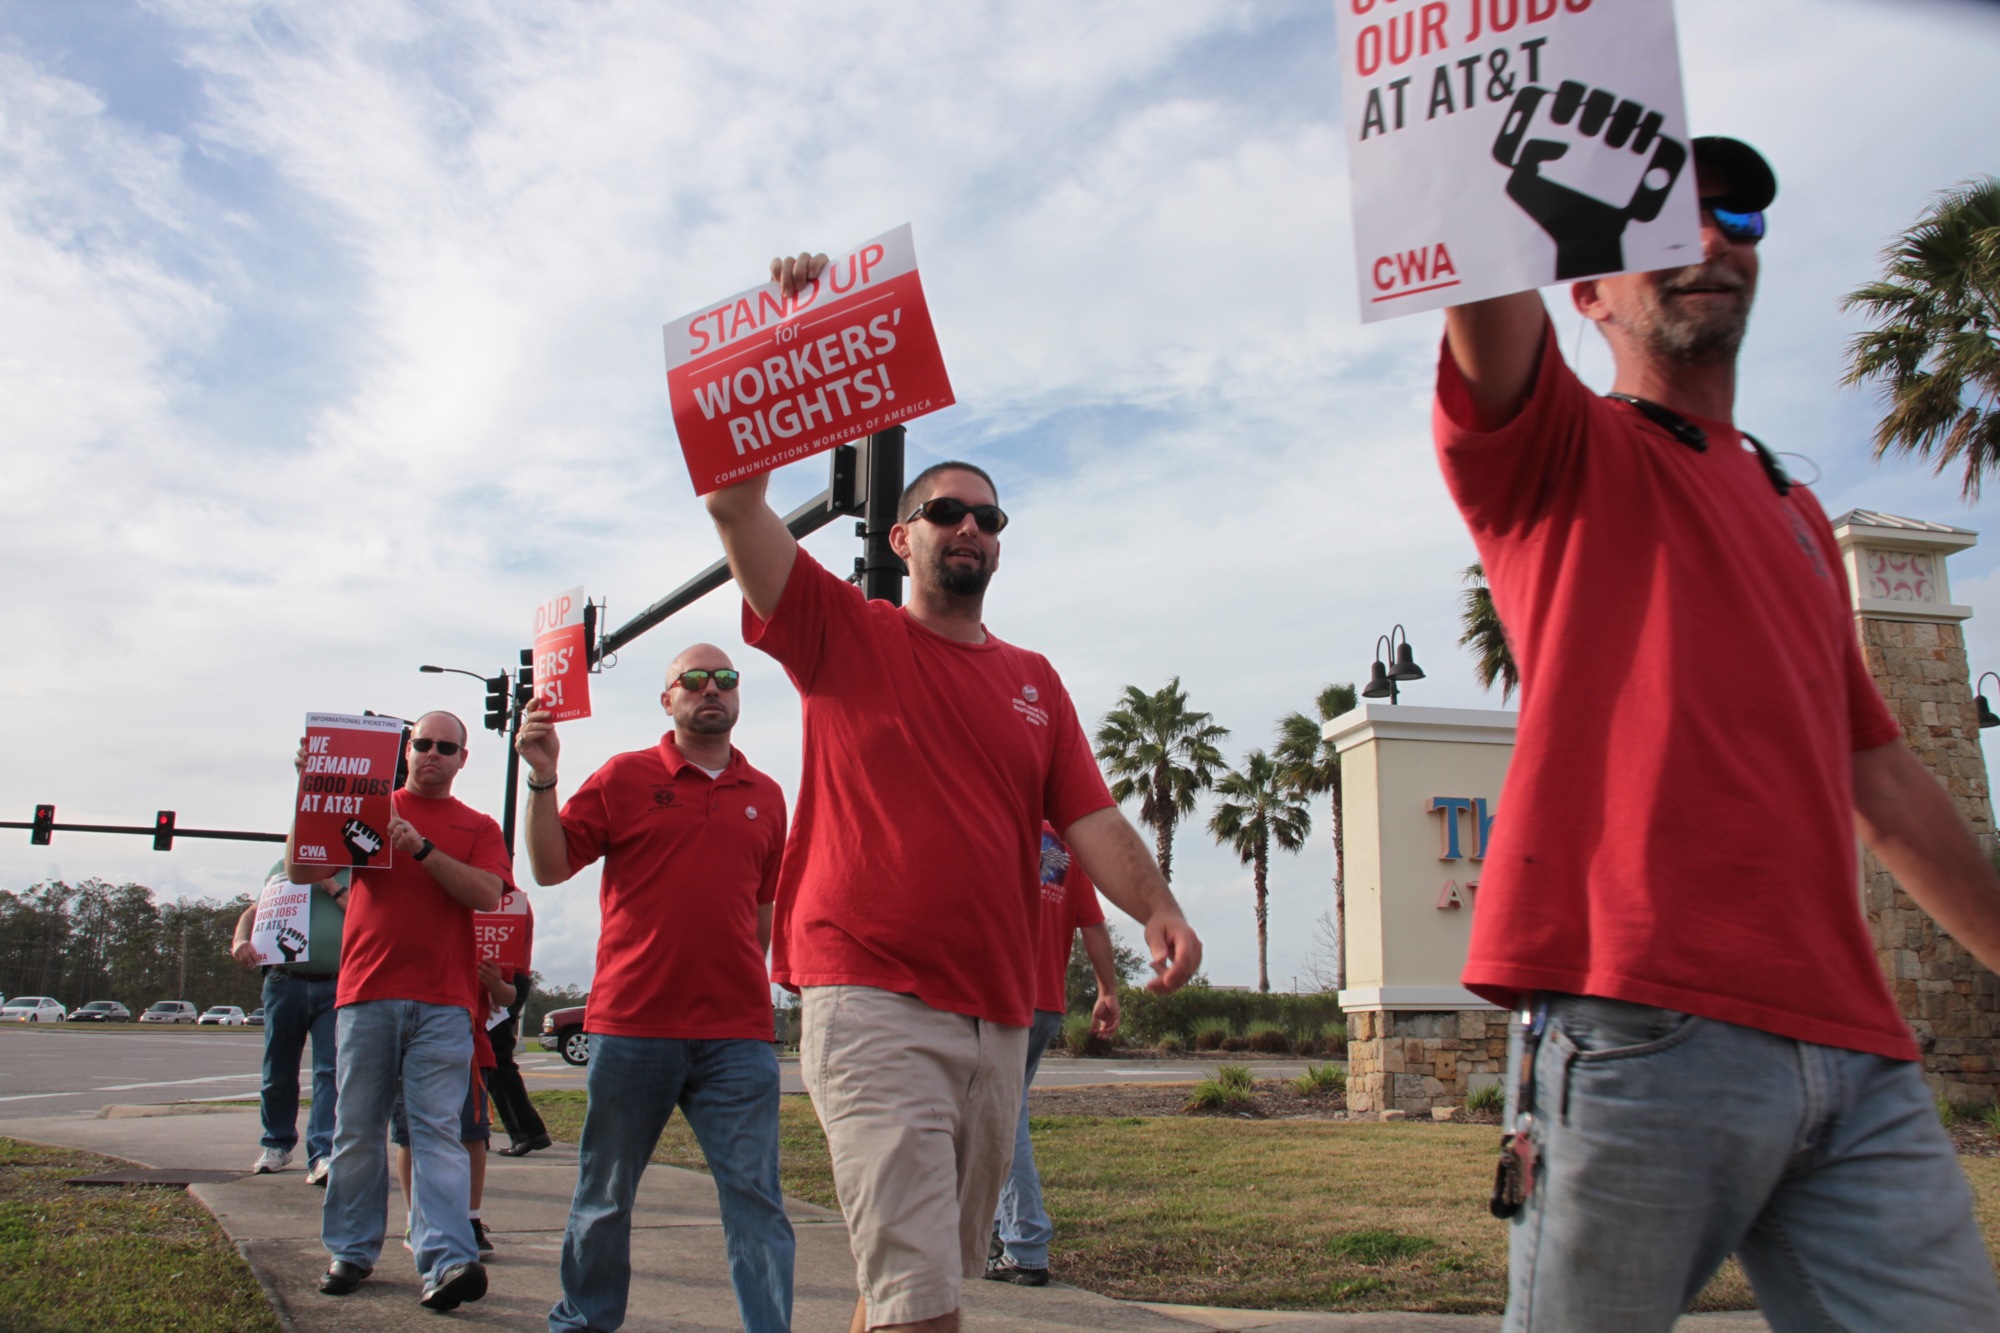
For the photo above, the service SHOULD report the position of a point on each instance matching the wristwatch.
(423, 851)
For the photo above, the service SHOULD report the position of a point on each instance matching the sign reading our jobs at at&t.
(758, 381)
(341, 817)
(1498, 146)
(281, 932)
(562, 658)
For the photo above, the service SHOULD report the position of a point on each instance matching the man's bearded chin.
(962, 580)
(710, 722)
(1693, 335)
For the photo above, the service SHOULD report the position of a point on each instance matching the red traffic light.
(44, 830)
(163, 831)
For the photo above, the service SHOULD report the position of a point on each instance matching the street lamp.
(1987, 717)
(1402, 665)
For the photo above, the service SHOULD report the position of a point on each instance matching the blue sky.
(334, 347)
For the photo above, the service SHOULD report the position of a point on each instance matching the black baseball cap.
(1751, 186)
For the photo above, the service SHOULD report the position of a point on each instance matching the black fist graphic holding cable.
(1588, 231)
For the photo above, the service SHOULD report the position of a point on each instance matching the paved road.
(60, 1070)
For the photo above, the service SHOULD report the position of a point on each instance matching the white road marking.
(30, 1096)
(179, 1082)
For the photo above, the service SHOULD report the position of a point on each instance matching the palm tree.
(1486, 636)
(1259, 809)
(1159, 751)
(1937, 353)
(1310, 767)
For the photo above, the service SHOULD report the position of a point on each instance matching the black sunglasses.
(1745, 227)
(697, 681)
(423, 745)
(949, 513)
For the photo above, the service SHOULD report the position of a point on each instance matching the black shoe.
(484, 1238)
(526, 1146)
(1005, 1269)
(342, 1277)
(457, 1285)
(996, 1248)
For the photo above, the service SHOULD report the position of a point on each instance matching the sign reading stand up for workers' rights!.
(758, 381)
(1498, 146)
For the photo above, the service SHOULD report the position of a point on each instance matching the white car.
(32, 1009)
(223, 1015)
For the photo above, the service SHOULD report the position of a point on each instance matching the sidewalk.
(680, 1279)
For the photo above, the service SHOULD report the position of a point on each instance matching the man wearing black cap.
(1707, 1058)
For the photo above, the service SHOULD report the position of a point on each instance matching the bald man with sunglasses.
(910, 901)
(1708, 1060)
(692, 838)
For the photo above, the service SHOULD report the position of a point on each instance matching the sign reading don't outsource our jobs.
(341, 817)
(281, 932)
(758, 381)
(1497, 146)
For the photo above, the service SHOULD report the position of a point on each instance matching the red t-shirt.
(1677, 826)
(1069, 902)
(929, 767)
(688, 860)
(405, 937)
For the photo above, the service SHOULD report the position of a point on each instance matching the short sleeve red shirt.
(405, 937)
(1676, 827)
(930, 766)
(688, 860)
(1069, 903)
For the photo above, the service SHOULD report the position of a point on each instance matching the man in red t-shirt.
(1712, 1061)
(906, 914)
(408, 962)
(1021, 1230)
(680, 1008)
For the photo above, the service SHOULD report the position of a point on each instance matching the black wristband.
(424, 850)
(533, 785)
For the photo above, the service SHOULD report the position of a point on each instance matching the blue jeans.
(728, 1090)
(1022, 1221)
(295, 1007)
(1669, 1142)
(429, 1046)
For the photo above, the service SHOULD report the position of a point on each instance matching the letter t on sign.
(1449, 807)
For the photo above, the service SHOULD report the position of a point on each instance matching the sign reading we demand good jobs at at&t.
(1497, 146)
(758, 381)
(562, 658)
(342, 814)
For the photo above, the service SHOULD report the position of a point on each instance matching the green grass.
(1492, 1097)
(1321, 1080)
(105, 1258)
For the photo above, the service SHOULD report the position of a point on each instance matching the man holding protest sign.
(408, 965)
(680, 1011)
(1707, 1058)
(908, 907)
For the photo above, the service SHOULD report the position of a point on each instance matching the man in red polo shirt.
(680, 1008)
(408, 963)
(908, 908)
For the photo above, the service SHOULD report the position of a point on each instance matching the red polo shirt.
(405, 937)
(1069, 903)
(930, 765)
(688, 860)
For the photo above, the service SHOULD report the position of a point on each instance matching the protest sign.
(562, 658)
(281, 932)
(506, 936)
(342, 813)
(758, 381)
(1497, 146)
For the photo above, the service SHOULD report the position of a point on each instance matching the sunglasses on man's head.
(1747, 228)
(697, 681)
(949, 513)
(424, 744)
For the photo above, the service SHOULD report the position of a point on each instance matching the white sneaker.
(316, 1171)
(274, 1159)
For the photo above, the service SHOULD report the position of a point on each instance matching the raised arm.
(539, 748)
(1908, 821)
(1118, 863)
(755, 540)
(1498, 347)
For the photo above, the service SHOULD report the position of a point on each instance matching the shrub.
(1079, 1040)
(1172, 1044)
(1210, 1033)
(1268, 1038)
(1321, 1081)
(1148, 1016)
(1991, 1115)
(1210, 1095)
(1234, 1076)
(1947, 1114)
(1235, 1043)
(1492, 1097)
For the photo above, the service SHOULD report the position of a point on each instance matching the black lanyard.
(1695, 438)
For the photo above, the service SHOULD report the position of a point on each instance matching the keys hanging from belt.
(1514, 1174)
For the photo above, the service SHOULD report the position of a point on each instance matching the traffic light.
(163, 831)
(590, 634)
(45, 826)
(496, 702)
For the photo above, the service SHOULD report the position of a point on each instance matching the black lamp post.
(509, 724)
(1402, 665)
(1987, 717)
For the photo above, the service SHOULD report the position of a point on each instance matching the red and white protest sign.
(757, 381)
(562, 658)
(1497, 146)
(342, 814)
(507, 935)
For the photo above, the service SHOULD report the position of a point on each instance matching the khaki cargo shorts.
(919, 1108)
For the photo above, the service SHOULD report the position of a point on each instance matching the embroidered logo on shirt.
(1807, 545)
(749, 812)
(1028, 693)
(663, 796)
(1024, 704)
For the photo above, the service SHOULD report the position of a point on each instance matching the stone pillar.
(1911, 636)
(1420, 789)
